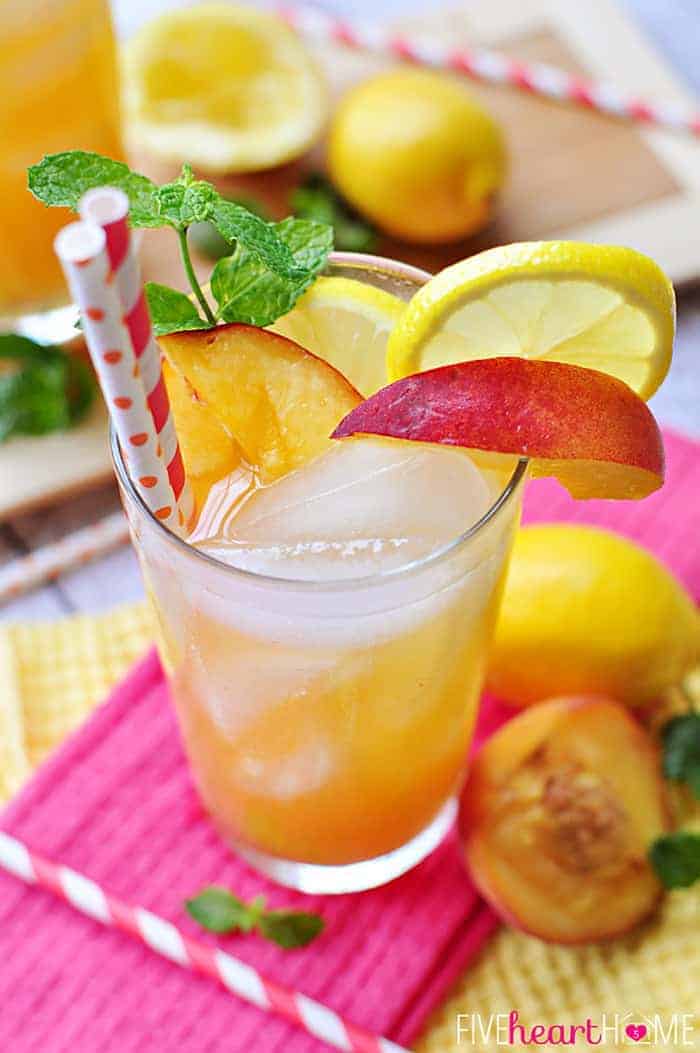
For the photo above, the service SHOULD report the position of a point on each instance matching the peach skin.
(585, 427)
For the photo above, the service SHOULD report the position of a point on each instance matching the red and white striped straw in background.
(82, 250)
(108, 208)
(50, 561)
(166, 939)
(482, 64)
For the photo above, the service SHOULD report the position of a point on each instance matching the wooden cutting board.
(573, 174)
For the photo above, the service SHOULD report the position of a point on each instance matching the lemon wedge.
(347, 323)
(226, 88)
(605, 307)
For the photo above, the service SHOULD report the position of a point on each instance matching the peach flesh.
(556, 818)
(275, 400)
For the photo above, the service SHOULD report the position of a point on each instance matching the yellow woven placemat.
(52, 675)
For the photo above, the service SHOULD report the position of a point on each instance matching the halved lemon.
(226, 88)
(605, 307)
(347, 323)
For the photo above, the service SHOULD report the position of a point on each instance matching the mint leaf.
(206, 238)
(186, 200)
(273, 263)
(318, 199)
(676, 859)
(261, 240)
(218, 910)
(171, 311)
(246, 291)
(681, 748)
(290, 929)
(42, 389)
(62, 179)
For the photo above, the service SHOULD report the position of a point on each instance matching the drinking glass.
(327, 723)
(59, 92)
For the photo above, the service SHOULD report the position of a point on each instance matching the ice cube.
(364, 506)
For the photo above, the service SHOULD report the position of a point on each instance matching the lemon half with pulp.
(226, 88)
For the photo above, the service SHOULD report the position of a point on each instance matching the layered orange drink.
(325, 626)
(325, 629)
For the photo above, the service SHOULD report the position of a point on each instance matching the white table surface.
(675, 27)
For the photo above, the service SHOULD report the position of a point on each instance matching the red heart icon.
(636, 1032)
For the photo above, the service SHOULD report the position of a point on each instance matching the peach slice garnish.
(587, 428)
(208, 451)
(269, 401)
(556, 818)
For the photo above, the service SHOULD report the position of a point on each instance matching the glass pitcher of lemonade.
(59, 91)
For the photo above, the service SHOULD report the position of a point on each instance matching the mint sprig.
(42, 389)
(247, 292)
(62, 179)
(218, 910)
(676, 859)
(268, 259)
(172, 311)
(680, 738)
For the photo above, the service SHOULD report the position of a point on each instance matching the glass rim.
(435, 556)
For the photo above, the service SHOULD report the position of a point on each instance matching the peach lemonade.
(326, 639)
(325, 625)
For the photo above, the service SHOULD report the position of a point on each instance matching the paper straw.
(50, 561)
(480, 64)
(108, 208)
(82, 250)
(166, 940)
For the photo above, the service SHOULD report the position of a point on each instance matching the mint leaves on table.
(42, 389)
(676, 859)
(680, 739)
(271, 259)
(317, 199)
(218, 910)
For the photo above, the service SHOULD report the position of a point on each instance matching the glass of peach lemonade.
(325, 626)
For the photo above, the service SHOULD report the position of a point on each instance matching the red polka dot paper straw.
(108, 208)
(166, 940)
(82, 250)
(50, 561)
(536, 78)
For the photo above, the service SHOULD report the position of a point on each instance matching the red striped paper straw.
(82, 250)
(50, 561)
(166, 940)
(108, 208)
(536, 78)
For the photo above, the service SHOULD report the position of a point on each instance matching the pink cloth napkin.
(116, 803)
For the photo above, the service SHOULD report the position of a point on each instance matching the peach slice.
(586, 428)
(208, 451)
(274, 399)
(556, 818)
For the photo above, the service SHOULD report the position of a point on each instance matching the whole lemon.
(586, 611)
(417, 154)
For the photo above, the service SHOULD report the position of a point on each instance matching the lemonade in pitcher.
(59, 91)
